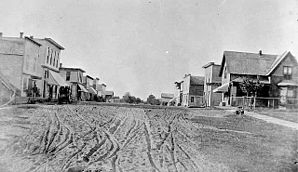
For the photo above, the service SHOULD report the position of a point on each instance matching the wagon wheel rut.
(94, 138)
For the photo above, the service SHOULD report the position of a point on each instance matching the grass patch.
(288, 115)
(269, 148)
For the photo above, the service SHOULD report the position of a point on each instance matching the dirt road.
(75, 138)
(90, 138)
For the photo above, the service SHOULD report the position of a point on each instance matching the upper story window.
(51, 58)
(67, 75)
(54, 62)
(48, 54)
(80, 78)
(287, 72)
(225, 73)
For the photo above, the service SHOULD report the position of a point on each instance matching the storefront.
(53, 83)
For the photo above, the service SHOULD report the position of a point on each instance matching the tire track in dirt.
(68, 161)
(46, 136)
(172, 152)
(94, 149)
(159, 140)
(188, 156)
(54, 132)
(148, 140)
(114, 146)
(48, 139)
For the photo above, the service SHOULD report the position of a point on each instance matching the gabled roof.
(247, 63)
(197, 80)
(278, 60)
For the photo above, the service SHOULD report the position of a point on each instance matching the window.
(192, 99)
(80, 79)
(57, 63)
(225, 73)
(54, 61)
(67, 75)
(46, 74)
(291, 93)
(48, 54)
(51, 56)
(287, 72)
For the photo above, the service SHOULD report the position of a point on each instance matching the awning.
(92, 90)
(222, 89)
(36, 77)
(83, 89)
(56, 79)
(286, 83)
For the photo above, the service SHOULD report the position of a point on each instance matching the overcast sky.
(144, 46)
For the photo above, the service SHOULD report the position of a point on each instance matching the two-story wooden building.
(19, 63)
(88, 83)
(50, 52)
(74, 76)
(278, 73)
(192, 91)
(212, 81)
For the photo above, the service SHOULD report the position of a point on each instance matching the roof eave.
(65, 68)
(55, 43)
(222, 65)
(88, 76)
(280, 60)
(30, 39)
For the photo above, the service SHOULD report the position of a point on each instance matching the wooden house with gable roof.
(278, 73)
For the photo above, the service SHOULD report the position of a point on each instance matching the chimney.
(31, 37)
(21, 34)
(60, 65)
(1, 34)
(260, 52)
